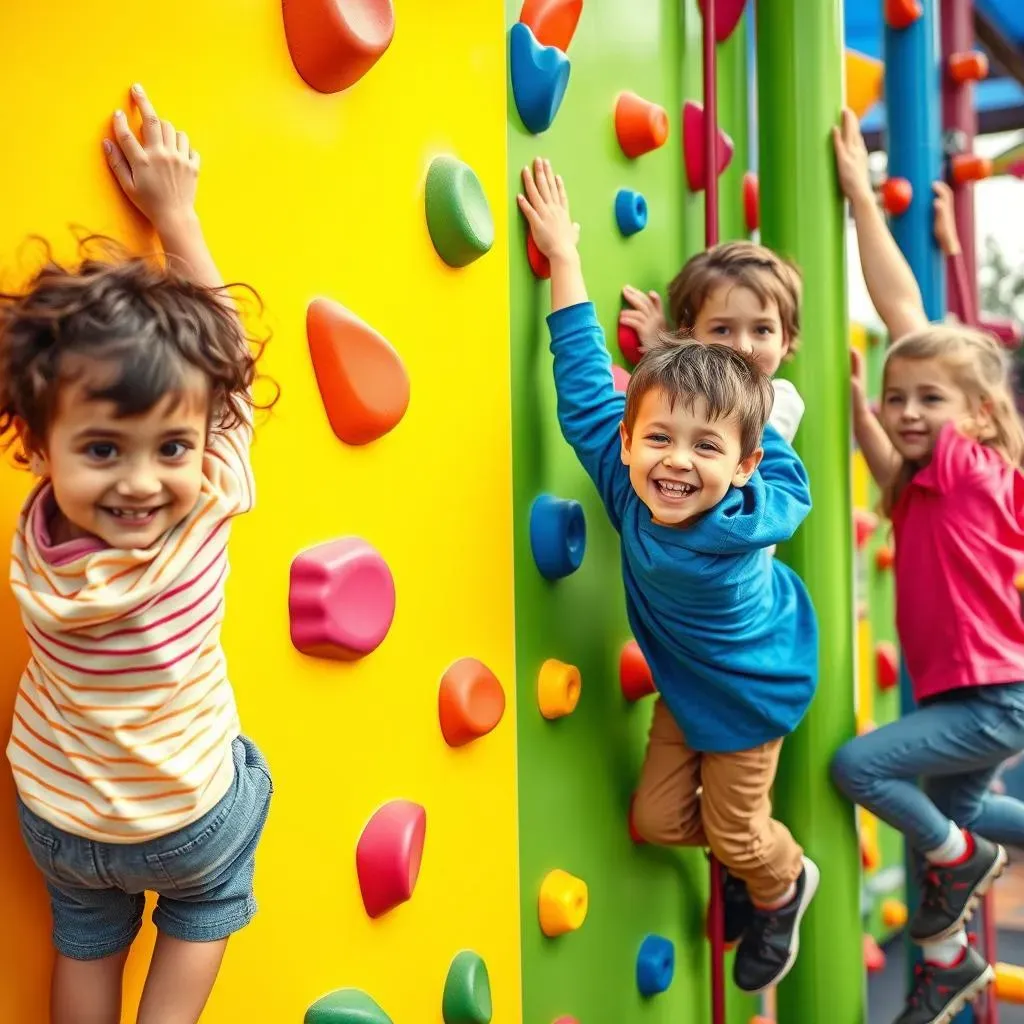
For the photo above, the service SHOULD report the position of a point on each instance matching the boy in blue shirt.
(699, 487)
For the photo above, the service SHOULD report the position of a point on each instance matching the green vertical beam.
(799, 98)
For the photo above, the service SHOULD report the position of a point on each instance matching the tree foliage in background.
(1000, 283)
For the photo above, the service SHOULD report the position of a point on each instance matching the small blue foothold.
(655, 965)
(630, 211)
(558, 535)
(540, 75)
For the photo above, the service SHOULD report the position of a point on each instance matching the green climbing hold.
(347, 1006)
(467, 991)
(458, 215)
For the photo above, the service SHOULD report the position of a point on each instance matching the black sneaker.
(950, 892)
(772, 941)
(940, 993)
(738, 910)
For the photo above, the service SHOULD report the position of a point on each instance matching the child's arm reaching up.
(589, 408)
(872, 440)
(889, 279)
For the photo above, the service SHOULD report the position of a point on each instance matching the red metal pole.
(715, 908)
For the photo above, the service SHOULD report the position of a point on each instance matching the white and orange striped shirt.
(125, 718)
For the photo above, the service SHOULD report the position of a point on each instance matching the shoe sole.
(813, 878)
(965, 996)
(998, 867)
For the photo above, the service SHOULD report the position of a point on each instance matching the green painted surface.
(799, 69)
(576, 774)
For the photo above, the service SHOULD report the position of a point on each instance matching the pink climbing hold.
(693, 146)
(620, 378)
(629, 344)
(341, 599)
(388, 855)
(727, 17)
(751, 201)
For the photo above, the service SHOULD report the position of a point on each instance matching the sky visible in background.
(998, 212)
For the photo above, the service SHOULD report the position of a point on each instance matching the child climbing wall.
(307, 195)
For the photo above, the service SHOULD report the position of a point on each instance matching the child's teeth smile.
(133, 515)
(675, 488)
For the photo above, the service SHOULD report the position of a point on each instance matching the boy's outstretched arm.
(589, 408)
(158, 175)
(889, 279)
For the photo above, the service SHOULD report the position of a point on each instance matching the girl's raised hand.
(858, 385)
(159, 173)
(851, 158)
(945, 219)
(545, 205)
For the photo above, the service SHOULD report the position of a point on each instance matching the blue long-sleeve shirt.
(729, 632)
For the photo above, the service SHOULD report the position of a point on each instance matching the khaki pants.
(733, 815)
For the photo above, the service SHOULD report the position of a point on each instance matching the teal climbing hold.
(540, 75)
(346, 1006)
(458, 215)
(467, 991)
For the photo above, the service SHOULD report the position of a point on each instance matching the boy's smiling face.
(681, 463)
(734, 315)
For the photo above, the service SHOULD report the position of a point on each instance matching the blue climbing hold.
(655, 964)
(558, 535)
(630, 211)
(540, 75)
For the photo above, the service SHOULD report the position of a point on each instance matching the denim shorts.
(202, 874)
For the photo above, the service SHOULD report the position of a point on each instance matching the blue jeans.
(955, 745)
(203, 873)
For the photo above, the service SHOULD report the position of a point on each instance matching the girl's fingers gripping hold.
(152, 129)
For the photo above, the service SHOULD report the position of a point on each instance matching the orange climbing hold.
(885, 558)
(1009, 983)
(887, 665)
(333, 43)
(634, 673)
(967, 167)
(470, 702)
(361, 377)
(558, 688)
(693, 147)
(640, 125)
(562, 906)
(900, 14)
(751, 201)
(539, 263)
(553, 22)
(870, 854)
(970, 66)
(894, 913)
(897, 195)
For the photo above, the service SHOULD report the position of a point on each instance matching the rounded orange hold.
(640, 125)
(558, 688)
(361, 377)
(894, 913)
(967, 167)
(971, 66)
(553, 22)
(470, 702)
(885, 558)
(1018, 582)
(897, 195)
(333, 43)
(539, 263)
(634, 673)
(900, 14)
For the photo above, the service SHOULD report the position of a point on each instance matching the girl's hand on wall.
(158, 174)
(545, 205)
(945, 219)
(852, 158)
(646, 317)
(858, 385)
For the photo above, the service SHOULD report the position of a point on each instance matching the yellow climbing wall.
(303, 195)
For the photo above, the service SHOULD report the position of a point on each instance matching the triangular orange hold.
(362, 379)
(553, 22)
(727, 17)
(693, 147)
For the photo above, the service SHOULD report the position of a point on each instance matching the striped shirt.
(124, 718)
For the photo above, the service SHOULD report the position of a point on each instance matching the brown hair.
(152, 322)
(731, 386)
(746, 265)
(979, 366)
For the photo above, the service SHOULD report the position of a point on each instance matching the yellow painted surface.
(305, 195)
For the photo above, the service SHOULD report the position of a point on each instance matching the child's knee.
(848, 771)
(665, 823)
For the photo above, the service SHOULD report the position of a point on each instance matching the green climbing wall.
(576, 774)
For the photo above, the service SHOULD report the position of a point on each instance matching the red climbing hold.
(620, 378)
(539, 263)
(388, 855)
(887, 665)
(362, 379)
(885, 558)
(967, 167)
(901, 14)
(874, 956)
(693, 146)
(640, 125)
(864, 523)
(634, 674)
(751, 201)
(897, 195)
(629, 344)
(333, 43)
(727, 17)
(341, 600)
(553, 22)
(970, 66)
(470, 702)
